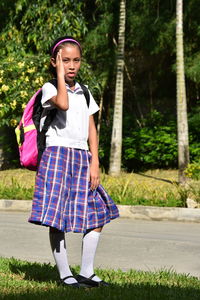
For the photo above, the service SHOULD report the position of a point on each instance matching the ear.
(53, 62)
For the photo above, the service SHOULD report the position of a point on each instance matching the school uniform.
(62, 197)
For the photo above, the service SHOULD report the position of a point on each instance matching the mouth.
(71, 74)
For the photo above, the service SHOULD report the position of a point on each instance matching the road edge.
(137, 212)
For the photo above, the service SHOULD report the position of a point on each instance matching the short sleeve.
(93, 107)
(48, 91)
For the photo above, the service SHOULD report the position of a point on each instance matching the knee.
(54, 230)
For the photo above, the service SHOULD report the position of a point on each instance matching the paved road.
(124, 244)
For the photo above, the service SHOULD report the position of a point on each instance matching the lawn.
(30, 281)
(154, 187)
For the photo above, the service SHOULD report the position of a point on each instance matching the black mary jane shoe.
(89, 283)
(74, 285)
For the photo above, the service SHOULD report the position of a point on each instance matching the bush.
(194, 137)
(152, 146)
(193, 171)
(20, 78)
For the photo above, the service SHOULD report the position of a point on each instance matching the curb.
(153, 213)
(15, 205)
(150, 213)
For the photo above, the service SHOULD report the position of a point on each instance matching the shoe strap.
(92, 276)
(67, 277)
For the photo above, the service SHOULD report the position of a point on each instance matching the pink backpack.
(26, 134)
(31, 141)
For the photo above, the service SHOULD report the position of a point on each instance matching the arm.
(61, 99)
(93, 144)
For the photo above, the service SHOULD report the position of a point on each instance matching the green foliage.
(9, 148)
(152, 24)
(35, 24)
(15, 191)
(153, 145)
(6, 6)
(193, 67)
(104, 144)
(192, 39)
(100, 44)
(20, 79)
(193, 170)
(194, 136)
(194, 189)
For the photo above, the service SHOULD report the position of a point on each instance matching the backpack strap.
(86, 93)
(50, 113)
(54, 82)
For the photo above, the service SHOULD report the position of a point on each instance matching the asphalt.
(126, 243)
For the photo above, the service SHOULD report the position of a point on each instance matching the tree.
(182, 122)
(116, 140)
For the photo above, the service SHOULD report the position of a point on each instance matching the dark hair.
(54, 49)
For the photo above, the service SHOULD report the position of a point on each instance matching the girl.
(68, 196)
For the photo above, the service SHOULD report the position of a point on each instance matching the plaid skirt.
(63, 198)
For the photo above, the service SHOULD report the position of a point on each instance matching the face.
(71, 58)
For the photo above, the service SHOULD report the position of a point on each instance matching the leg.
(89, 246)
(58, 246)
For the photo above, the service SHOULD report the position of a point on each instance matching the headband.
(65, 40)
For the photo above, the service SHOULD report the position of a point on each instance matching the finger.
(59, 57)
(91, 183)
(94, 182)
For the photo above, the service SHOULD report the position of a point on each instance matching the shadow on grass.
(40, 282)
(34, 271)
(158, 178)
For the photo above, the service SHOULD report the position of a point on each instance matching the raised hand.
(59, 65)
(61, 99)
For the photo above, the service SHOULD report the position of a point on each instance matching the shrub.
(152, 146)
(193, 171)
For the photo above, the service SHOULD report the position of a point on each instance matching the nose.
(71, 66)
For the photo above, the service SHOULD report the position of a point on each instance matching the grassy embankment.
(155, 187)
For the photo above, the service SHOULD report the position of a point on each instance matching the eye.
(77, 60)
(65, 60)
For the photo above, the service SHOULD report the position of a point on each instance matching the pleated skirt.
(63, 198)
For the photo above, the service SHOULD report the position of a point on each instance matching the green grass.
(34, 281)
(153, 188)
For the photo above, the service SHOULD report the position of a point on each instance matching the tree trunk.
(116, 140)
(182, 122)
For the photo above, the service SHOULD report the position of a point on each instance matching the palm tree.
(182, 122)
(116, 140)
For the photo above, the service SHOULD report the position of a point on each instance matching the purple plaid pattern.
(62, 198)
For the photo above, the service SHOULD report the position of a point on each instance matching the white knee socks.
(89, 246)
(58, 246)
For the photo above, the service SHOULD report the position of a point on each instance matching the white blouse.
(69, 128)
